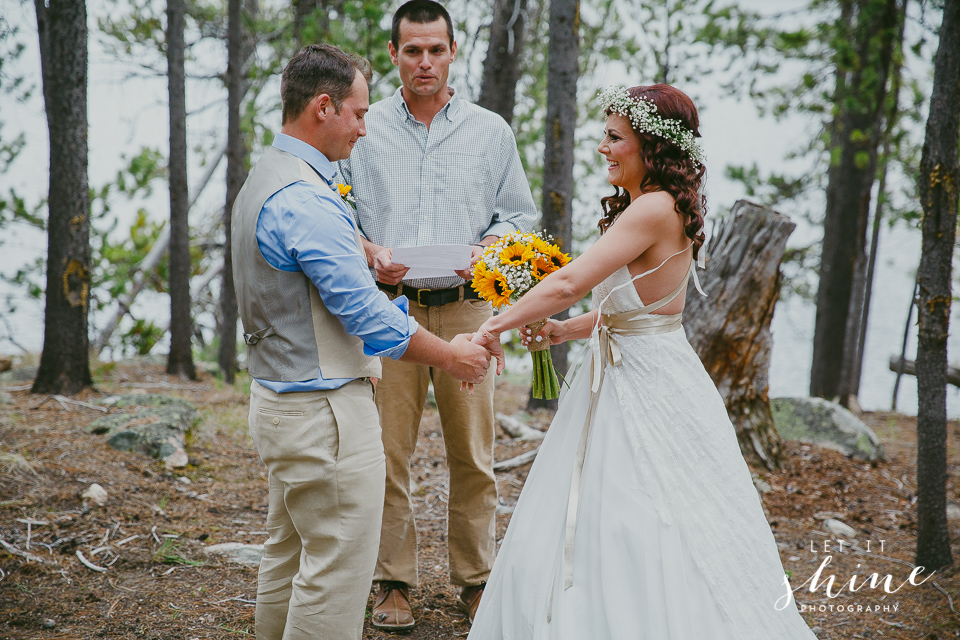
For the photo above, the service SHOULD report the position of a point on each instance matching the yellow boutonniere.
(344, 191)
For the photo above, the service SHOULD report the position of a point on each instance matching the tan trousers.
(325, 470)
(468, 434)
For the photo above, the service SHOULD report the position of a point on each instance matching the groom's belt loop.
(431, 297)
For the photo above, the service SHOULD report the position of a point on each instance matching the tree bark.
(862, 84)
(939, 194)
(563, 70)
(64, 362)
(180, 359)
(501, 67)
(730, 328)
(239, 45)
(890, 121)
(301, 10)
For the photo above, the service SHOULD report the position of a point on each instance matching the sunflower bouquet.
(506, 271)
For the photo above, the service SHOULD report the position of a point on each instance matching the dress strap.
(637, 277)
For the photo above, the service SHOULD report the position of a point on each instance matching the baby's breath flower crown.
(643, 115)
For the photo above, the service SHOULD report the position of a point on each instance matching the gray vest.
(290, 334)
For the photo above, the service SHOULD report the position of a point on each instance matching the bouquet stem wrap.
(545, 385)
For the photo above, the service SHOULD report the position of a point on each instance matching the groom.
(435, 169)
(314, 322)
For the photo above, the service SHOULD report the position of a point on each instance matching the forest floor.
(160, 584)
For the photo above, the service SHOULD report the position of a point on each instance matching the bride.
(639, 518)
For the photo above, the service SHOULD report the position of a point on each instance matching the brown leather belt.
(431, 297)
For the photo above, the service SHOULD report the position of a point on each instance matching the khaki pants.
(468, 434)
(325, 470)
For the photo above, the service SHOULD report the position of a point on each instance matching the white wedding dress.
(665, 538)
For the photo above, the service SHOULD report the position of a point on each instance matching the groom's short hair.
(419, 12)
(318, 69)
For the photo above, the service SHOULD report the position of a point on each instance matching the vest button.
(276, 421)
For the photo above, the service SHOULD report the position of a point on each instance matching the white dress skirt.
(670, 541)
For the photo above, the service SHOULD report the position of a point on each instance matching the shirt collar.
(451, 110)
(308, 154)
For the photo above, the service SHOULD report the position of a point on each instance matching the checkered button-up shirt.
(455, 183)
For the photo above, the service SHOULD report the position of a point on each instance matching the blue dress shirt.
(309, 228)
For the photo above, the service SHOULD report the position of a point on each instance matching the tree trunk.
(301, 11)
(939, 194)
(239, 45)
(180, 359)
(65, 359)
(730, 328)
(862, 84)
(890, 121)
(501, 68)
(563, 71)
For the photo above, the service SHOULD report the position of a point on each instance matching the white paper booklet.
(433, 261)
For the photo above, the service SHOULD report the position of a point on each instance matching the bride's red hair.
(669, 168)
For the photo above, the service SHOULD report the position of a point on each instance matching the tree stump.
(730, 328)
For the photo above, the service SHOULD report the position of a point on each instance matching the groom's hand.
(491, 342)
(388, 272)
(470, 362)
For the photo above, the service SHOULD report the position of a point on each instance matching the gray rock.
(826, 424)
(49, 623)
(762, 485)
(953, 511)
(838, 528)
(5, 398)
(19, 375)
(96, 494)
(149, 424)
(245, 554)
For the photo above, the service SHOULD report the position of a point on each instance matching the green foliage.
(171, 552)
(806, 62)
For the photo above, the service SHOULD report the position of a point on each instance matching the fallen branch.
(949, 600)
(88, 564)
(517, 429)
(87, 405)
(910, 368)
(17, 552)
(30, 522)
(516, 461)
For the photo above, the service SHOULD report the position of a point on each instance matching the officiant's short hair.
(419, 12)
(318, 69)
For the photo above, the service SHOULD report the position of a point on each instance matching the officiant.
(434, 169)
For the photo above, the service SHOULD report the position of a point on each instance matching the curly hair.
(668, 167)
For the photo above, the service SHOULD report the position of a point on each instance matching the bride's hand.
(551, 332)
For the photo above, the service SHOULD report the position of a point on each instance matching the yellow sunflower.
(556, 257)
(517, 254)
(542, 267)
(539, 244)
(491, 285)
